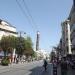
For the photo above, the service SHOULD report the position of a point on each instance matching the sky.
(31, 16)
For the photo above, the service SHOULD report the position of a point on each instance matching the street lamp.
(20, 33)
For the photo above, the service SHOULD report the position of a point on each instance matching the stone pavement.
(69, 71)
(49, 70)
(40, 70)
(58, 70)
(11, 66)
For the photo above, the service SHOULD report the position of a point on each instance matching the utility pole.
(37, 40)
(20, 41)
(69, 38)
(20, 34)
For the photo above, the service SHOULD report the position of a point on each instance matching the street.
(32, 68)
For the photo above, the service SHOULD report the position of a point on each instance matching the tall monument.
(37, 40)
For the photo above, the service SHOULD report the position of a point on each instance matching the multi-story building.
(72, 26)
(7, 29)
(73, 38)
(59, 51)
(65, 34)
(64, 38)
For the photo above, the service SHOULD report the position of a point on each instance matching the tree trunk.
(5, 54)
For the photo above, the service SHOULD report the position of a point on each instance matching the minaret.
(37, 40)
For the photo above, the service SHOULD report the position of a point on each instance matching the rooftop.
(6, 23)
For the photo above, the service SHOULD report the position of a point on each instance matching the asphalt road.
(33, 68)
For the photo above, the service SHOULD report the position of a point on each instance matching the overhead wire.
(30, 18)
(24, 13)
(34, 24)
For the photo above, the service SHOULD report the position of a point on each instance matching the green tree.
(28, 47)
(34, 54)
(24, 46)
(7, 44)
(20, 45)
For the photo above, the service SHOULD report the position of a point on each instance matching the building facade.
(6, 29)
(72, 27)
(68, 38)
(64, 38)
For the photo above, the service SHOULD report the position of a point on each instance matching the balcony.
(72, 28)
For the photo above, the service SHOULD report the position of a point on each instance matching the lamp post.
(20, 33)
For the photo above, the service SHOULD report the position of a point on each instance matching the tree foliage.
(34, 54)
(28, 46)
(23, 46)
(20, 45)
(7, 44)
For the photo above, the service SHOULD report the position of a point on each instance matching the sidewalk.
(49, 70)
(58, 70)
(69, 71)
(4, 69)
(11, 66)
(39, 70)
(14, 66)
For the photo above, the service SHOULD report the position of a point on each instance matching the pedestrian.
(45, 64)
(17, 60)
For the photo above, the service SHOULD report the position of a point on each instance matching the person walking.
(45, 64)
